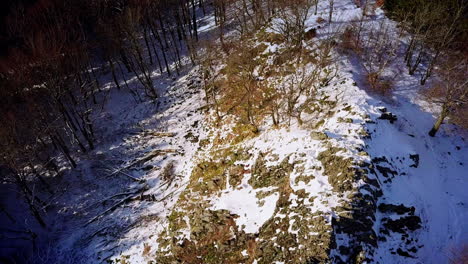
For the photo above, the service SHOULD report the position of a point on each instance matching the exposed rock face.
(403, 225)
(388, 116)
(339, 170)
(326, 207)
(398, 209)
(294, 233)
(263, 176)
(355, 217)
(402, 220)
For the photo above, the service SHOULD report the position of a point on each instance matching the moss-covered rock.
(264, 176)
(318, 135)
(345, 120)
(340, 170)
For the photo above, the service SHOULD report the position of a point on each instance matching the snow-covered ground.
(436, 187)
(155, 149)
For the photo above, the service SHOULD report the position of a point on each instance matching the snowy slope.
(132, 132)
(436, 188)
(275, 197)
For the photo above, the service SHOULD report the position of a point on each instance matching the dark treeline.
(50, 77)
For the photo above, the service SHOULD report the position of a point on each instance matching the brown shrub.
(450, 91)
(349, 41)
(378, 84)
(272, 37)
(310, 34)
(321, 20)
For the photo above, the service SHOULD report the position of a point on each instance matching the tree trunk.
(177, 62)
(58, 141)
(135, 95)
(30, 201)
(96, 80)
(412, 68)
(163, 50)
(145, 36)
(409, 50)
(330, 15)
(429, 69)
(155, 52)
(114, 76)
(194, 19)
(439, 121)
(125, 60)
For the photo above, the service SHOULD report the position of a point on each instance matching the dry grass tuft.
(321, 20)
(146, 249)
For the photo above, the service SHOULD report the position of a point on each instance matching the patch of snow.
(244, 203)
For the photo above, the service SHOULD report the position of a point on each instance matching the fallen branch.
(97, 232)
(146, 158)
(158, 134)
(155, 153)
(122, 201)
(103, 201)
(131, 177)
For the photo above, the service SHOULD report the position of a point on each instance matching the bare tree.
(293, 15)
(433, 27)
(243, 90)
(444, 33)
(129, 24)
(378, 52)
(211, 75)
(450, 92)
(299, 88)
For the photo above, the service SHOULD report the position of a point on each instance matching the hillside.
(269, 149)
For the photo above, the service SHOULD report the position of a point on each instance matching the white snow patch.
(243, 202)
